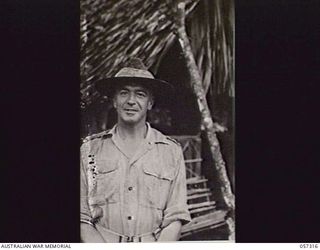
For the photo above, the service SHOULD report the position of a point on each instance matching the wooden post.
(207, 121)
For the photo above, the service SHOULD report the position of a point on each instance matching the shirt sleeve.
(85, 214)
(177, 208)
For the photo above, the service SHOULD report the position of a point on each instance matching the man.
(133, 184)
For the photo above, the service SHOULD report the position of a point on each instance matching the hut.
(189, 43)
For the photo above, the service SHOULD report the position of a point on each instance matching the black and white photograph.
(192, 122)
(157, 121)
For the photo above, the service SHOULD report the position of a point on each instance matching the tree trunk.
(207, 121)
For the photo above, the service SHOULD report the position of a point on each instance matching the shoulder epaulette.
(173, 140)
(95, 136)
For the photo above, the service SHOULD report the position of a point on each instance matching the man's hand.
(171, 232)
(89, 234)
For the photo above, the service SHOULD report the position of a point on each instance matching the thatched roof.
(211, 32)
(112, 31)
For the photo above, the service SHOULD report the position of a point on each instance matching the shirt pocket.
(107, 180)
(157, 180)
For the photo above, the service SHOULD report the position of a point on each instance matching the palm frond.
(212, 41)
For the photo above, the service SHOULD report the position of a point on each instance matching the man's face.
(132, 103)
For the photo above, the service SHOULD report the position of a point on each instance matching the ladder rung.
(202, 209)
(205, 221)
(202, 204)
(195, 196)
(193, 160)
(189, 232)
(197, 190)
(195, 180)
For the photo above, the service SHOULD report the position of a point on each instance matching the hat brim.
(161, 90)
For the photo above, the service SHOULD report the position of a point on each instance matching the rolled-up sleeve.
(177, 208)
(85, 214)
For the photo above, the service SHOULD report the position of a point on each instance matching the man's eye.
(123, 92)
(141, 94)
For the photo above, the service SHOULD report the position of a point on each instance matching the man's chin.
(130, 120)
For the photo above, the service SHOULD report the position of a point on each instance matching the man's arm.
(89, 234)
(176, 213)
(171, 232)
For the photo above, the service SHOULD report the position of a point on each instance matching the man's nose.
(131, 99)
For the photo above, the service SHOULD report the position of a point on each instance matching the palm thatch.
(211, 34)
(113, 31)
(211, 30)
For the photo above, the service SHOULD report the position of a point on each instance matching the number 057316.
(308, 245)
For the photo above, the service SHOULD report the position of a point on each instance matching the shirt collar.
(153, 136)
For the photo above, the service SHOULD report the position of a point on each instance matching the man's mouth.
(130, 111)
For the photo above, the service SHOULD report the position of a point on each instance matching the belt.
(111, 236)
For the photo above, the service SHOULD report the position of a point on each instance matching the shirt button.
(130, 217)
(130, 188)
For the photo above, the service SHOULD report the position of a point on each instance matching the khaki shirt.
(133, 196)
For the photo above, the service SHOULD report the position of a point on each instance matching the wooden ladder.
(201, 203)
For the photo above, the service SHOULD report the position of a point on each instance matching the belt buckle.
(130, 238)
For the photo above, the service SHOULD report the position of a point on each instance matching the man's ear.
(114, 103)
(150, 103)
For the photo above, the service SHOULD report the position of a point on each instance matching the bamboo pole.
(207, 121)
